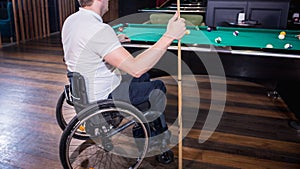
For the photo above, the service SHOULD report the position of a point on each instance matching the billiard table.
(245, 55)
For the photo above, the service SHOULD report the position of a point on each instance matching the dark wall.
(3, 10)
(53, 16)
(127, 7)
(295, 6)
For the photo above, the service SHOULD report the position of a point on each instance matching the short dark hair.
(84, 3)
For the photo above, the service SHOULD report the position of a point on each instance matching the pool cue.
(179, 98)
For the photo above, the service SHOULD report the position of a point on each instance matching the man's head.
(84, 3)
(99, 6)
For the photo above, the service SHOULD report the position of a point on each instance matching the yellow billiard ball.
(283, 33)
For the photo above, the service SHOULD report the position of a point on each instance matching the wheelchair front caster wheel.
(166, 157)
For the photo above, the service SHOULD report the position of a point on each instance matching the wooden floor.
(253, 131)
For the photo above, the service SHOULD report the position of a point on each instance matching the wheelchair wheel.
(64, 113)
(111, 143)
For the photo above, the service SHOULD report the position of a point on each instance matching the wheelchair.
(103, 134)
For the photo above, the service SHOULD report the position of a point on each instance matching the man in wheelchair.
(92, 49)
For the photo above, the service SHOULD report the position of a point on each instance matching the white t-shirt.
(86, 40)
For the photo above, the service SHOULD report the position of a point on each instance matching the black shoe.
(166, 157)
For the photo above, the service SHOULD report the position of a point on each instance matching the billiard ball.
(283, 33)
(218, 40)
(187, 32)
(288, 46)
(209, 29)
(269, 46)
(235, 33)
(120, 29)
(281, 36)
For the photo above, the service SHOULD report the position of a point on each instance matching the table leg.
(289, 91)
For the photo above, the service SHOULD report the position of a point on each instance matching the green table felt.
(247, 37)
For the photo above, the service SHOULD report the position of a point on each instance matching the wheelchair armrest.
(78, 88)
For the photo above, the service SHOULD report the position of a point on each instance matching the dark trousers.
(145, 94)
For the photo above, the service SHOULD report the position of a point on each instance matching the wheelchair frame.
(83, 128)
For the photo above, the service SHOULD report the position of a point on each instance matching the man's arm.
(136, 66)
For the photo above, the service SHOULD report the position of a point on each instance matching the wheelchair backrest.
(78, 90)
